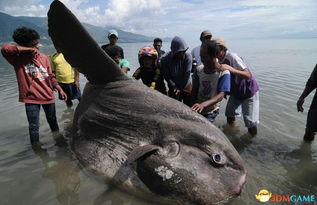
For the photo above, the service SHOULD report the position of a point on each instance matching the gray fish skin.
(141, 140)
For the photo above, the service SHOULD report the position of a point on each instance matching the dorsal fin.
(79, 48)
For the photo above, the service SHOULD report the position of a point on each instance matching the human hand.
(223, 67)
(176, 91)
(299, 104)
(35, 52)
(77, 84)
(198, 107)
(63, 95)
(125, 69)
(153, 85)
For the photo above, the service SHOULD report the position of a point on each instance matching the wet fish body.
(138, 138)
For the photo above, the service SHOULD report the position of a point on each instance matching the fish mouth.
(242, 181)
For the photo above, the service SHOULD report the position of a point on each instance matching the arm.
(165, 71)
(121, 53)
(11, 51)
(124, 65)
(77, 78)
(308, 89)
(54, 81)
(199, 107)
(157, 74)
(137, 74)
(61, 92)
(238, 67)
(187, 69)
(57, 86)
(223, 88)
(156, 77)
(53, 66)
(310, 86)
(245, 73)
(195, 80)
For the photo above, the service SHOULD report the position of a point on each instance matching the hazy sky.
(186, 18)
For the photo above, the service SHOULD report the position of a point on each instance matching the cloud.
(6, 3)
(23, 8)
(120, 12)
(187, 18)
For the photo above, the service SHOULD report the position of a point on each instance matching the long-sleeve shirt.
(34, 75)
(176, 71)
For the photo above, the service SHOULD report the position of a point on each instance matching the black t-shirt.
(106, 45)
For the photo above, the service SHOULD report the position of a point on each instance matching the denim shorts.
(250, 108)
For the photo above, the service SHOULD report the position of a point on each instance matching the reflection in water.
(239, 142)
(301, 168)
(113, 196)
(67, 118)
(63, 172)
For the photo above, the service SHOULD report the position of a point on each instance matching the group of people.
(200, 79)
(38, 76)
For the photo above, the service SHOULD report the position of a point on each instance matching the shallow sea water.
(276, 159)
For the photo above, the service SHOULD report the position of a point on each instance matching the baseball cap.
(205, 33)
(113, 32)
(220, 41)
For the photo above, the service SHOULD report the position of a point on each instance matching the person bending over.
(210, 86)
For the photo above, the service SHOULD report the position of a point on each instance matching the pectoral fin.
(140, 151)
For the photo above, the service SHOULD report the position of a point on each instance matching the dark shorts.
(71, 91)
(212, 116)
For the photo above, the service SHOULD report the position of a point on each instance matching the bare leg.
(231, 121)
(309, 136)
(253, 130)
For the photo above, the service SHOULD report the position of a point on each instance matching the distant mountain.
(9, 23)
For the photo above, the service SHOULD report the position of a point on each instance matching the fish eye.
(218, 159)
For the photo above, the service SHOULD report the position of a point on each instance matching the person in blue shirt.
(210, 85)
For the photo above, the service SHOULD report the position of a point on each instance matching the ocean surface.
(276, 159)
